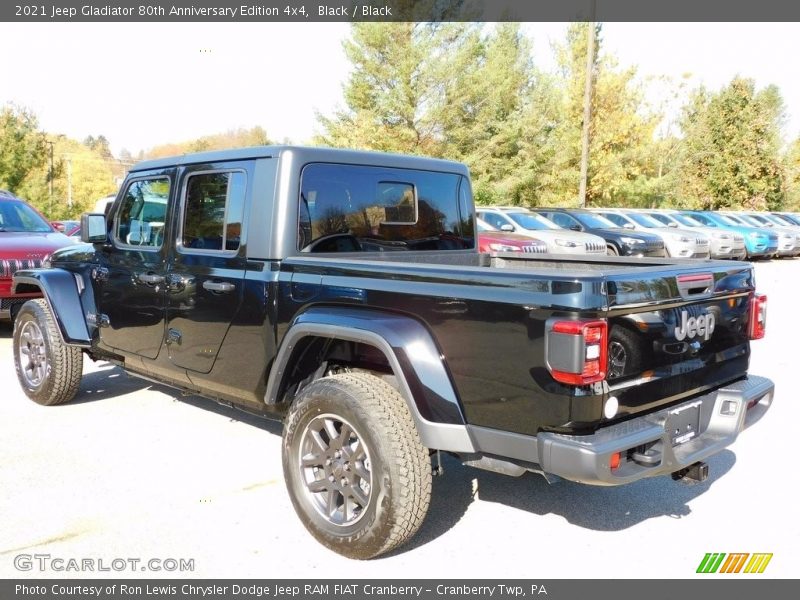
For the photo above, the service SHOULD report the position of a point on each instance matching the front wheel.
(48, 370)
(357, 473)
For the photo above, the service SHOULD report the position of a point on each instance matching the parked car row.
(640, 232)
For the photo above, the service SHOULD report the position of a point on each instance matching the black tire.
(611, 250)
(48, 370)
(382, 466)
(625, 352)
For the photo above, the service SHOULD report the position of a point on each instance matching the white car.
(680, 243)
(725, 243)
(558, 240)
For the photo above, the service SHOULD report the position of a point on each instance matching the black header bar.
(266, 11)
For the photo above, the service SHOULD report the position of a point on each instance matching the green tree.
(620, 133)
(82, 175)
(792, 161)
(234, 138)
(730, 156)
(395, 91)
(100, 145)
(22, 146)
(496, 113)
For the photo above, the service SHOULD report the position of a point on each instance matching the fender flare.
(60, 289)
(421, 375)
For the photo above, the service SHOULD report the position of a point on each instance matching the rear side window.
(142, 214)
(212, 214)
(350, 208)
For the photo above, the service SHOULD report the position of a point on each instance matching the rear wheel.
(48, 370)
(357, 473)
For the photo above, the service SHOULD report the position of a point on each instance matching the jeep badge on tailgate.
(690, 327)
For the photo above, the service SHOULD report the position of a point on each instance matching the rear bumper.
(721, 415)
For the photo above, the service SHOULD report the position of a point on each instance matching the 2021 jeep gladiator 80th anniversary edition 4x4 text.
(343, 293)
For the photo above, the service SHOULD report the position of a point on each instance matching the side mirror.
(576, 228)
(93, 228)
(506, 227)
(671, 224)
(628, 226)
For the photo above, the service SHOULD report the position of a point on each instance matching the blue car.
(759, 243)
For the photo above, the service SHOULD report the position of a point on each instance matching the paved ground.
(132, 470)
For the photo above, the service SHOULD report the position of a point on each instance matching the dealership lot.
(134, 471)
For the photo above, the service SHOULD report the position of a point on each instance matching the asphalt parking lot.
(131, 470)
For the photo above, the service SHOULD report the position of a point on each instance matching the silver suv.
(558, 240)
(680, 243)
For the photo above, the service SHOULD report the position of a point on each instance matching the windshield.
(783, 220)
(531, 221)
(773, 219)
(729, 220)
(15, 215)
(792, 219)
(484, 226)
(752, 221)
(592, 221)
(662, 218)
(645, 220)
(686, 220)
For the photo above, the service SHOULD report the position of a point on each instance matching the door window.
(142, 214)
(213, 210)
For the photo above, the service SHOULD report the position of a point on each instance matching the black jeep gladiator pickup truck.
(343, 293)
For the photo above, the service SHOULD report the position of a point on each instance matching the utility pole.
(69, 181)
(50, 175)
(587, 110)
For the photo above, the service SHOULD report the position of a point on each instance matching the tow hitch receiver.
(697, 472)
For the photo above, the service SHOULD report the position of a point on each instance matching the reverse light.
(758, 316)
(577, 351)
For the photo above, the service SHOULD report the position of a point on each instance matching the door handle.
(150, 278)
(218, 286)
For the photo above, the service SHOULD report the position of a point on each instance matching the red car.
(64, 226)
(493, 240)
(26, 240)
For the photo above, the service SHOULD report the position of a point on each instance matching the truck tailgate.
(677, 333)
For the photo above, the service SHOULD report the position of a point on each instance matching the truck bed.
(488, 315)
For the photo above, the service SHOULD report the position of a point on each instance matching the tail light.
(758, 316)
(577, 351)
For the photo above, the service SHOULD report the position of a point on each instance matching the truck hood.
(550, 235)
(26, 245)
(620, 232)
(666, 232)
(710, 231)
